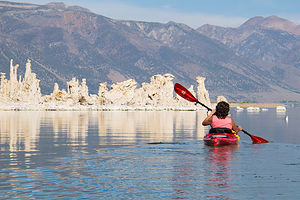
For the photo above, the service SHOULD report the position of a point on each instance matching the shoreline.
(45, 107)
(260, 105)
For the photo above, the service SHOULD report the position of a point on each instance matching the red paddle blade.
(255, 139)
(258, 140)
(184, 93)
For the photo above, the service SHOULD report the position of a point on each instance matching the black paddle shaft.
(246, 133)
(209, 109)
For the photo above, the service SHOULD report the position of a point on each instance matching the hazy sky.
(228, 13)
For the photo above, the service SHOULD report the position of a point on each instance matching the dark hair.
(222, 109)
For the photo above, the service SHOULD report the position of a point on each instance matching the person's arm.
(208, 120)
(236, 128)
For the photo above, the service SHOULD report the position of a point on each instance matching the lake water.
(145, 155)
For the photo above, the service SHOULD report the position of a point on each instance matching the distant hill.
(271, 43)
(256, 62)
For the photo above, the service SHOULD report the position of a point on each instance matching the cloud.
(163, 15)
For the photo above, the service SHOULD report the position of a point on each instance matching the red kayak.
(221, 139)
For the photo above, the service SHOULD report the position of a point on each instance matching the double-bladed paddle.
(184, 93)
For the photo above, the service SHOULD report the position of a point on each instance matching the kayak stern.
(221, 139)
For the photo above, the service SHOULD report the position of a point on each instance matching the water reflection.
(158, 126)
(19, 130)
(219, 171)
(22, 131)
(34, 140)
(74, 124)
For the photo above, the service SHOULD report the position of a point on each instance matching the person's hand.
(240, 128)
(212, 112)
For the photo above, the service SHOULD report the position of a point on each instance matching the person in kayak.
(219, 120)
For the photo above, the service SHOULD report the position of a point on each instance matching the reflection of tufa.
(26, 131)
(286, 119)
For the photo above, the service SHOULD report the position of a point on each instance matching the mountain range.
(257, 61)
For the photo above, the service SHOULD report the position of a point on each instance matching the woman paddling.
(219, 120)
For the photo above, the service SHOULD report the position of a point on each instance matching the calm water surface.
(145, 155)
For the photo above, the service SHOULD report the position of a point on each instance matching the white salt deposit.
(25, 94)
